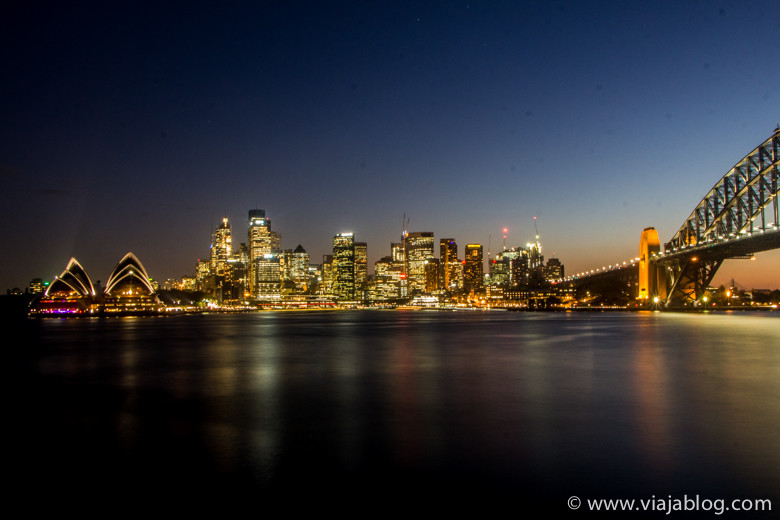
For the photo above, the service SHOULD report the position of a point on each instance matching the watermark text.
(670, 504)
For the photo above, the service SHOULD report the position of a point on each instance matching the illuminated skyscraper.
(419, 250)
(398, 256)
(268, 277)
(473, 268)
(203, 275)
(554, 270)
(264, 245)
(397, 252)
(314, 278)
(361, 268)
(520, 270)
(510, 268)
(387, 278)
(240, 263)
(448, 264)
(285, 264)
(535, 257)
(188, 283)
(258, 241)
(300, 269)
(221, 248)
(325, 286)
(432, 271)
(344, 266)
(500, 270)
(221, 264)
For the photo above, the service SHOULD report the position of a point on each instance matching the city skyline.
(127, 131)
(220, 242)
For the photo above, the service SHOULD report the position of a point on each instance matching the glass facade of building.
(264, 245)
(419, 250)
(473, 269)
(344, 266)
(448, 264)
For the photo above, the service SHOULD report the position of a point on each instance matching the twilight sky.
(138, 128)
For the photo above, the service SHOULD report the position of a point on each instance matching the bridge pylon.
(652, 282)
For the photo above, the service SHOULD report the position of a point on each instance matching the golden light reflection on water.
(607, 399)
(653, 399)
(714, 378)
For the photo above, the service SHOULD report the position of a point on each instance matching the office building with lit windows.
(268, 277)
(387, 279)
(203, 276)
(299, 269)
(509, 268)
(419, 250)
(221, 248)
(344, 266)
(264, 246)
(224, 268)
(397, 252)
(432, 271)
(326, 282)
(554, 270)
(398, 255)
(473, 269)
(448, 264)
(361, 268)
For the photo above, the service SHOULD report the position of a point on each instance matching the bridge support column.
(652, 282)
(690, 278)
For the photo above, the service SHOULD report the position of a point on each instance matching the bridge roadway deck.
(748, 244)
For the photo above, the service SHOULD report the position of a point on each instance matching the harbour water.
(437, 411)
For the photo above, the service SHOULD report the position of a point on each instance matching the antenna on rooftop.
(404, 233)
(537, 233)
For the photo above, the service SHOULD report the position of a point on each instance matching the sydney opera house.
(128, 291)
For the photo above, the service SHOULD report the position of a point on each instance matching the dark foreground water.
(362, 413)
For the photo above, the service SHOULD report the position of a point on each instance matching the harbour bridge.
(737, 218)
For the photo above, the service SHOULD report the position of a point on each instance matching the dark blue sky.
(138, 128)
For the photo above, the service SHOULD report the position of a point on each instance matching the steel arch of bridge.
(723, 225)
(738, 217)
(732, 206)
